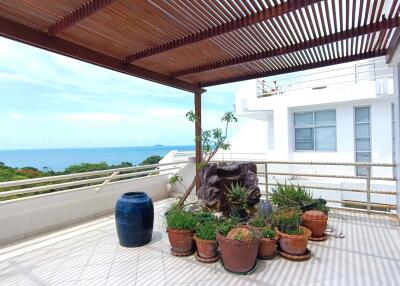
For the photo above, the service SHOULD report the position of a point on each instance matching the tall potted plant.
(293, 237)
(181, 226)
(212, 141)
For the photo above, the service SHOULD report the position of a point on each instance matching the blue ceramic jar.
(134, 217)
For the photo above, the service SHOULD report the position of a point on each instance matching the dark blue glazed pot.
(134, 217)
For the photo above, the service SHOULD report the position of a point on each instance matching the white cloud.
(17, 116)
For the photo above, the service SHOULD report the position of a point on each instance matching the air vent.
(319, 87)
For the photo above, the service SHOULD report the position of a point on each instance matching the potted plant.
(238, 247)
(180, 228)
(205, 238)
(237, 197)
(267, 248)
(259, 222)
(284, 195)
(293, 237)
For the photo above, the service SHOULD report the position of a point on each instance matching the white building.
(337, 114)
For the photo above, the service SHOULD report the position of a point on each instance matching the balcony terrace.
(89, 254)
(69, 238)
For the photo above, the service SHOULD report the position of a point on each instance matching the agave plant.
(237, 195)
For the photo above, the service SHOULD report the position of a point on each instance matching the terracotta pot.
(294, 244)
(181, 240)
(238, 256)
(206, 248)
(267, 247)
(316, 221)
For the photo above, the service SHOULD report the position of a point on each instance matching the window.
(362, 138)
(315, 130)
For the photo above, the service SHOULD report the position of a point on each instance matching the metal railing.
(329, 182)
(369, 71)
(29, 187)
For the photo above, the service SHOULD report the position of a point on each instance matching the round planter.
(267, 248)
(238, 256)
(134, 217)
(206, 249)
(316, 221)
(181, 241)
(238, 213)
(294, 244)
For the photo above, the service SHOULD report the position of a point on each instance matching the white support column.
(396, 93)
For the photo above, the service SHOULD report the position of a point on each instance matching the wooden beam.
(77, 15)
(199, 155)
(394, 42)
(272, 12)
(27, 35)
(319, 64)
(340, 36)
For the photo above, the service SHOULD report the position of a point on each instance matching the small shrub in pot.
(205, 237)
(293, 237)
(180, 228)
(267, 248)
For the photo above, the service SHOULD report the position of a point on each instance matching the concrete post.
(396, 93)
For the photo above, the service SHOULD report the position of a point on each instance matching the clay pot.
(238, 255)
(267, 247)
(294, 244)
(181, 240)
(206, 248)
(316, 221)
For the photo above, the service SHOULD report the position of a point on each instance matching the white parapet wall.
(26, 217)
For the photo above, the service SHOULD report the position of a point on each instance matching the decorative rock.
(216, 179)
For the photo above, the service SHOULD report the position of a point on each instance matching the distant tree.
(48, 171)
(86, 167)
(155, 159)
(122, 165)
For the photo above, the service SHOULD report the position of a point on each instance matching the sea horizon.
(58, 159)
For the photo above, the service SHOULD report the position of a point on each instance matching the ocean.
(59, 159)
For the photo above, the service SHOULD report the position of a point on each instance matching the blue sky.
(51, 101)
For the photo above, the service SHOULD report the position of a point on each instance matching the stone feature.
(216, 179)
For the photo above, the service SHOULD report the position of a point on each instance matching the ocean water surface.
(59, 159)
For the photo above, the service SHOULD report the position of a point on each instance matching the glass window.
(325, 138)
(305, 118)
(315, 130)
(362, 114)
(362, 135)
(327, 117)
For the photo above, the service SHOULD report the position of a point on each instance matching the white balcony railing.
(371, 71)
(15, 189)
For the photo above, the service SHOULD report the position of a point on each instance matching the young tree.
(212, 141)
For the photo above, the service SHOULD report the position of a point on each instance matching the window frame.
(357, 168)
(313, 126)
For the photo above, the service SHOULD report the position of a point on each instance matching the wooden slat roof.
(194, 44)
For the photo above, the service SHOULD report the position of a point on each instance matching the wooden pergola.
(193, 44)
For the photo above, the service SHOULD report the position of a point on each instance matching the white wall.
(30, 216)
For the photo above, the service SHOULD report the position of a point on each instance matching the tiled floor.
(89, 254)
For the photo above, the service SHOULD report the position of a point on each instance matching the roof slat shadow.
(188, 45)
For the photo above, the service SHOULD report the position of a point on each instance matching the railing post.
(266, 181)
(369, 188)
